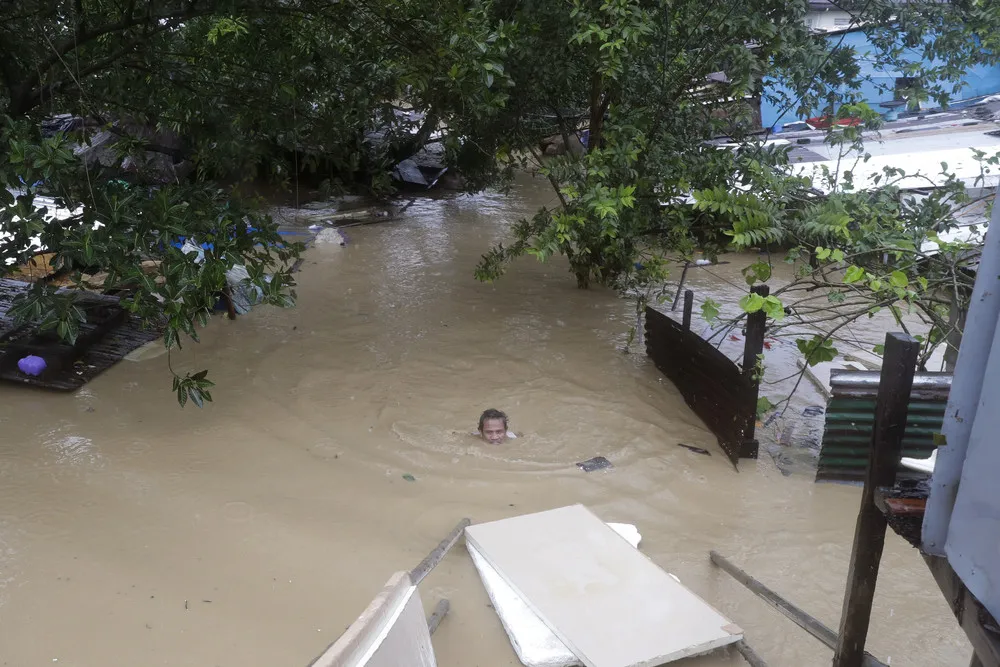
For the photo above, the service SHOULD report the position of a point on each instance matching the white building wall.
(827, 20)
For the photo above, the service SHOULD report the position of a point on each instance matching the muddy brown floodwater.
(251, 533)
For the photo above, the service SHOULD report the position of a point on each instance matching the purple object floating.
(31, 365)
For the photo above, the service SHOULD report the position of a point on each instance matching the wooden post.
(753, 346)
(680, 286)
(895, 383)
(688, 306)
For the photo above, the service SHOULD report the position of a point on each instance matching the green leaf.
(774, 308)
(757, 271)
(764, 405)
(751, 303)
(196, 398)
(816, 350)
(853, 274)
(898, 279)
(710, 310)
(939, 440)
(823, 253)
(409, 478)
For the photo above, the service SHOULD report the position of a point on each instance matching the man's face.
(494, 431)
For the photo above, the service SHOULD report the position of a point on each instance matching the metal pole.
(977, 339)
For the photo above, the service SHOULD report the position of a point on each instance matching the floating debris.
(596, 463)
(409, 478)
(696, 450)
(31, 365)
(813, 411)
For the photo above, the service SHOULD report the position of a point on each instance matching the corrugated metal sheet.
(850, 416)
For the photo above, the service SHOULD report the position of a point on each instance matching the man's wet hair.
(491, 414)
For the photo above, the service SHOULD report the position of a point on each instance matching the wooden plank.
(436, 556)
(800, 618)
(440, 611)
(391, 632)
(896, 380)
(749, 654)
(809, 623)
(906, 506)
(608, 603)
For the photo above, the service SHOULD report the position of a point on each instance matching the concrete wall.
(878, 86)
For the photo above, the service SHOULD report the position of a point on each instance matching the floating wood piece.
(608, 603)
(440, 611)
(391, 632)
(898, 368)
(749, 654)
(808, 623)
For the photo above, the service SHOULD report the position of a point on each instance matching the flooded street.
(251, 533)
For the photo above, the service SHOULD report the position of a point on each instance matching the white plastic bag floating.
(533, 642)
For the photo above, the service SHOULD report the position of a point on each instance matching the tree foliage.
(214, 93)
(676, 163)
(189, 101)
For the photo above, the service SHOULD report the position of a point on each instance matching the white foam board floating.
(392, 632)
(533, 642)
(608, 603)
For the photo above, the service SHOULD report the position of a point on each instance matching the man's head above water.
(493, 426)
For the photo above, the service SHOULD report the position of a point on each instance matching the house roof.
(916, 144)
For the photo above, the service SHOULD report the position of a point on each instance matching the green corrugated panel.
(847, 435)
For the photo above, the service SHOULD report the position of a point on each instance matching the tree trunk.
(956, 318)
(597, 109)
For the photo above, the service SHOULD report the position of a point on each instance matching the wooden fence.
(719, 391)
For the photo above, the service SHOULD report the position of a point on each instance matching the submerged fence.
(721, 393)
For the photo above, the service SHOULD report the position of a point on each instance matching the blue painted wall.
(978, 81)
